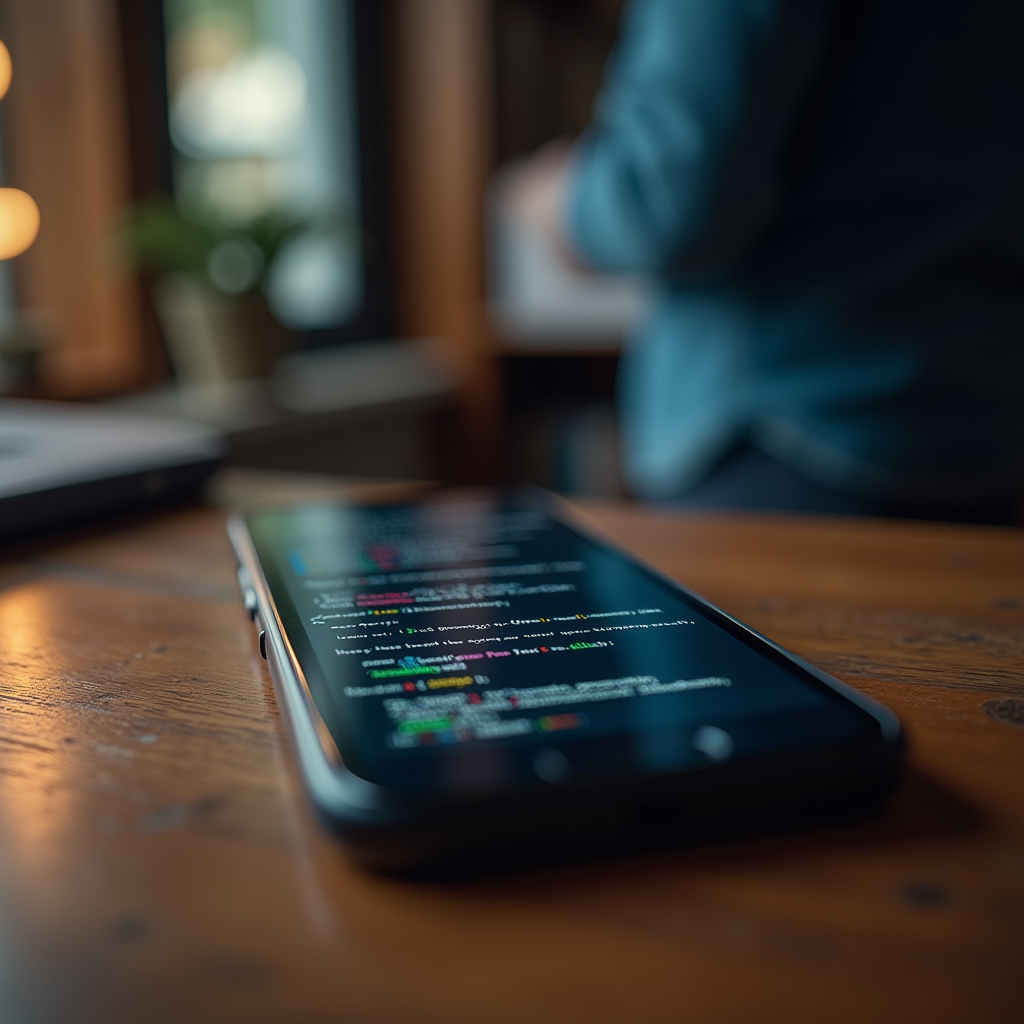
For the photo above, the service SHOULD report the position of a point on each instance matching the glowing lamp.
(19, 215)
(19, 222)
(5, 69)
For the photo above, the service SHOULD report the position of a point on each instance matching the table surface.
(158, 859)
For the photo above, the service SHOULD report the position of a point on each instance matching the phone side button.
(263, 644)
(248, 594)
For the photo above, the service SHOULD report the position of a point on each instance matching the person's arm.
(677, 171)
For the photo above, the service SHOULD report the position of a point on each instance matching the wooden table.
(158, 860)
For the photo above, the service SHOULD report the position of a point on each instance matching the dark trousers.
(749, 479)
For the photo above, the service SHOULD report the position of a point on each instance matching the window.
(269, 115)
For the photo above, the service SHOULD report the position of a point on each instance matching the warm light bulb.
(19, 222)
(5, 69)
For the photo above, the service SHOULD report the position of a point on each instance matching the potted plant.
(209, 293)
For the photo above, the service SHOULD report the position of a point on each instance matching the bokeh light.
(19, 222)
(5, 69)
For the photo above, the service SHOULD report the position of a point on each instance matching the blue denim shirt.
(830, 195)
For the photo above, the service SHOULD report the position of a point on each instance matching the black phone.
(472, 674)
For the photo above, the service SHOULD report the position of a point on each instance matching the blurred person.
(829, 195)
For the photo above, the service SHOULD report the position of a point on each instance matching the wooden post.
(66, 144)
(443, 108)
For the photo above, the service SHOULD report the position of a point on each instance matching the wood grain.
(158, 860)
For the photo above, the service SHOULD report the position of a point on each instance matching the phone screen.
(466, 644)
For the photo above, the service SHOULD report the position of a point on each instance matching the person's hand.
(537, 195)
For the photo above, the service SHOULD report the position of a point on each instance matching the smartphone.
(469, 675)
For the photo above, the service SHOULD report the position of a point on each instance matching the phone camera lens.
(551, 765)
(714, 742)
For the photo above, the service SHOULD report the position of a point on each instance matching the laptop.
(62, 463)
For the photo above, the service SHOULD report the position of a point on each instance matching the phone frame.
(392, 830)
